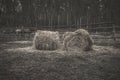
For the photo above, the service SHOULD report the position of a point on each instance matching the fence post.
(114, 38)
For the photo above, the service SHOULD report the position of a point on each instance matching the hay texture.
(66, 34)
(77, 40)
(46, 40)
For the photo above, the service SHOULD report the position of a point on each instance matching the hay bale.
(77, 40)
(66, 34)
(46, 40)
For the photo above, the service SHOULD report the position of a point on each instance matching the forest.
(36, 13)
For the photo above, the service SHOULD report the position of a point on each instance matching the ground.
(19, 61)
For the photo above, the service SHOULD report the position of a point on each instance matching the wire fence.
(106, 35)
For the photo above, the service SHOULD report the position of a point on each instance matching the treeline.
(38, 13)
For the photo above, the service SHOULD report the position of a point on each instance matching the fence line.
(106, 31)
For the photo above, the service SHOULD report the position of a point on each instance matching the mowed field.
(19, 61)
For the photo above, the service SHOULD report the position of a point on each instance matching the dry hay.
(46, 40)
(20, 42)
(66, 34)
(77, 40)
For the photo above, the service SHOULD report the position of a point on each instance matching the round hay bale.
(66, 34)
(46, 40)
(78, 40)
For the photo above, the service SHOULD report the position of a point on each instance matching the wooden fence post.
(114, 37)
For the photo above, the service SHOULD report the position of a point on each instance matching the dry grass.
(77, 40)
(46, 40)
(19, 61)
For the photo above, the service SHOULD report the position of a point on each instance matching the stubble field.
(19, 61)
